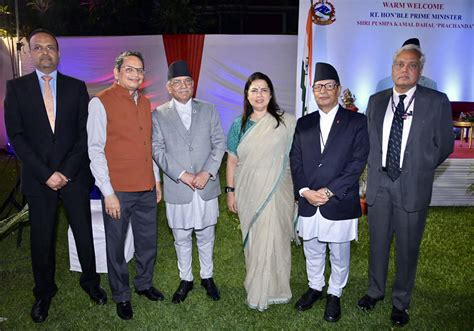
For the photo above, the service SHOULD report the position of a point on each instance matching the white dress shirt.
(184, 111)
(317, 226)
(387, 122)
(197, 214)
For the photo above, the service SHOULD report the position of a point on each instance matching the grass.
(443, 297)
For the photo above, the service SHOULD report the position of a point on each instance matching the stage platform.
(462, 152)
(453, 177)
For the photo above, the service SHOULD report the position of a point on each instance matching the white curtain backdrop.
(5, 73)
(228, 60)
(91, 59)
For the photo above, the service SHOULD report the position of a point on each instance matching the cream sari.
(265, 203)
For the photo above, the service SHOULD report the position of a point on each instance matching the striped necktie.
(48, 101)
(395, 141)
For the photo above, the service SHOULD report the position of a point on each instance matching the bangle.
(229, 189)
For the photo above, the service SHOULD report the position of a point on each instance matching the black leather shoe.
(211, 288)
(124, 310)
(39, 311)
(98, 295)
(182, 291)
(332, 313)
(308, 299)
(399, 317)
(152, 294)
(367, 303)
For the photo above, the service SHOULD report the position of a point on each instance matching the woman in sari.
(259, 188)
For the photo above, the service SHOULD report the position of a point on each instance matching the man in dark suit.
(328, 155)
(45, 117)
(410, 130)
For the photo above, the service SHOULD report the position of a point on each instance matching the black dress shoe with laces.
(182, 291)
(308, 299)
(211, 288)
(399, 317)
(332, 313)
(39, 311)
(152, 294)
(98, 295)
(367, 303)
(124, 310)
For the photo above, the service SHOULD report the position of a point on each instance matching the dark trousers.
(43, 218)
(387, 219)
(139, 209)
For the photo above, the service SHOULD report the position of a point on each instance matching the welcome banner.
(359, 39)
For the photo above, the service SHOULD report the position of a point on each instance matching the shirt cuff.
(211, 176)
(107, 190)
(182, 173)
(304, 189)
(156, 172)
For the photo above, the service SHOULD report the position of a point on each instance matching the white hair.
(411, 47)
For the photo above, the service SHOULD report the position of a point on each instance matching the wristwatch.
(229, 189)
(328, 193)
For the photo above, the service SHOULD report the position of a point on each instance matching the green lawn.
(443, 297)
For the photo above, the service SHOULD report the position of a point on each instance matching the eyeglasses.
(41, 49)
(410, 65)
(264, 90)
(327, 86)
(175, 83)
(130, 70)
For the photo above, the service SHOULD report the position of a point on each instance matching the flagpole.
(309, 59)
(19, 45)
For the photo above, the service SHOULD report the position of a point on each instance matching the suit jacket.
(430, 142)
(339, 166)
(176, 149)
(41, 151)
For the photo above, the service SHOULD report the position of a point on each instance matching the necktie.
(48, 101)
(395, 141)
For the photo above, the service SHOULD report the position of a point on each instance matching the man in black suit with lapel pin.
(45, 118)
(328, 155)
(410, 130)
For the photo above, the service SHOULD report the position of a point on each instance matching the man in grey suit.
(188, 145)
(410, 132)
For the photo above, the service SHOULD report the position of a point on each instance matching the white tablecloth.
(98, 233)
